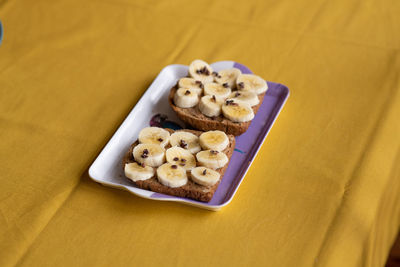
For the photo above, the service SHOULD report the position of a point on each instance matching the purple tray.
(107, 167)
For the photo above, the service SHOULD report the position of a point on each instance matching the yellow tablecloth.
(324, 189)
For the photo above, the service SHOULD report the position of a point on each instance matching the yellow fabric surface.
(324, 189)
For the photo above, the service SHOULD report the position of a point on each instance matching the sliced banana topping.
(149, 154)
(218, 90)
(171, 175)
(248, 97)
(237, 111)
(228, 77)
(185, 140)
(154, 135)
(137, 172)
(204, 176)
(186, 98)
(210, 106)
(214, 140)
(251, 82)
(181, 157)
(201, 71)
(212, 159)
(195, 85)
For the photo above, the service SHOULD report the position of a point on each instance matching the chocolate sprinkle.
(241, 85)
(182, 164)
(145, 151)
(237, 94)
(142, 164)
(213, 98)
(174, 166)
(197, 82)
(160, 139)
(204, 172)
(183, 160)
(176, 159)
(187, 92)
(144, 156)
(226, 85)
(214, 152)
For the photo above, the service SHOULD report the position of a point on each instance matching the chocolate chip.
(203, 70)
(213, 99)
(204, 172)
(241, 85)
(197, 82)
(160, 139)
(215, 73)
(201, 86)
(226, 85)
(181, 164)
(214, 152)
(231, 103)
(187, 92)
(176, 159)
(174, 166)
(183, 144)
(145, 151)
(183, 160)
(237, 94)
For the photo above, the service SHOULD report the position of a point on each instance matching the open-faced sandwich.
(226, 100)
(183, 163)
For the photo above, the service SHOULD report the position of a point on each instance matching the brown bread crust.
(189, 190)
(196, 119)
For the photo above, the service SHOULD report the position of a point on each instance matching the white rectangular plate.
(153, 108)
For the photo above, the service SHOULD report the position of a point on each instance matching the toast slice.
(191, 189)
(197, 120)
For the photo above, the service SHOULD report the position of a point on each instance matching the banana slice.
(210, 106)
(149, 154)
(136, 172)
(245, 96)
(196, 86)
(182, 157)
(185, 140)
(228, 77)
(154, 135)
(171, 175)
(220, 91)
(204, 176)
(237, 111)
(201, 71)
(214, 140)
(212, 159)
(251, 82)
(186, 98)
